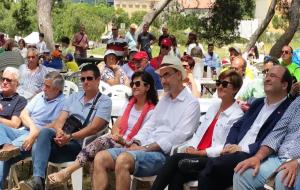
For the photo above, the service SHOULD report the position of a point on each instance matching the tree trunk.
(288, 35)
(151, 16)
(44, 21)
(262, 26)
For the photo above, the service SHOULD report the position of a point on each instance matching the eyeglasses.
(234, 68)
(136, 83)
(185, 66)
(82, 79)
(224, 83)
(114, 29)
(285, 52)
(166, 75)
(6, 79)
(31, 57)
(165, 47)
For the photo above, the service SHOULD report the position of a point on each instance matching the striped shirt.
(284, 139)
(31, 83)
(118, 45)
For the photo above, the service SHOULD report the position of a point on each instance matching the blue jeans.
(15, 137)
(246, 181)
(45, 149)
(146, 163)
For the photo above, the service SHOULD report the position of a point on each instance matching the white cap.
(172, 62)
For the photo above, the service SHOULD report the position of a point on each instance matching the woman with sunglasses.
(137, 112)
(188, 64)
(209, 139)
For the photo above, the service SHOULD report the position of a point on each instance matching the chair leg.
(133, 185)
(76, 178)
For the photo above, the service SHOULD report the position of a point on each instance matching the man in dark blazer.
(247, 134)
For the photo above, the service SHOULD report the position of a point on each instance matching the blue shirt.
(212, 61)
(42, 111)
(284, 139)
(149, 69)
(75, 106)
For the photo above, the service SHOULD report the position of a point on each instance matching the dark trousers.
(218, 172)
(174, 176)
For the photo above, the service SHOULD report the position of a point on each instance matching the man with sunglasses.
(117, 44)
(32, 75)
(165, 48)
(247, 134)
(11, 103)
(286, 55)
(140, 60)
(173, 121)
(55, 145)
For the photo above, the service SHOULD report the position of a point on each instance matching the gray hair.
(57, 80)
(34, 50)
(13, 71)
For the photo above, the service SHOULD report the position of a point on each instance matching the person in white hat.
(173, 121)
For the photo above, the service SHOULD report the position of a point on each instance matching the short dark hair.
(210, 44)
(287, 77)
(234, 77)
(91, 67)
(41, 35)
(272, 59)
(65, 39)
(189, 59)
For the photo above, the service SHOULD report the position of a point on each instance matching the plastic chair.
(69, 88)
(120, 91)
(103, 86)
(135, 180)
(76, 177)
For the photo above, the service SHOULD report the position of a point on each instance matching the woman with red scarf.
(138, 110)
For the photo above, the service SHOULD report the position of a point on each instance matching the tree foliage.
(221, 25)
(21, 17)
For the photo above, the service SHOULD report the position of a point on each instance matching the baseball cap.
(109, 51)
(238, 50)
(172, 62)
(140, 55)
(69, 57)
(166, 42)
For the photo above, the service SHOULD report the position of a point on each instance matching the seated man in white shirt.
(173, 121)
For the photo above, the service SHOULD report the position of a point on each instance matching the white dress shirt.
(173, 121)
(225, 121)
(263, 115)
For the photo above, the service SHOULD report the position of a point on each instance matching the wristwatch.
(147, 147)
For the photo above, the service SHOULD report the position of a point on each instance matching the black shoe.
(189, 165)
(35, 183)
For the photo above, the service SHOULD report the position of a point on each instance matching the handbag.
(73, 124)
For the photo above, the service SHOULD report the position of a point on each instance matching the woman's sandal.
(59, 177)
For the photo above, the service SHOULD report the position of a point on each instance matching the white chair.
(135, 180)
(69, 88)
(103, 86)
(76, 177)
(120, 91)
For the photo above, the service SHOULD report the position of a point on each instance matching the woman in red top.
(138, 110)
(209, 139)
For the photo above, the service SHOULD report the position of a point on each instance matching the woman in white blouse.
(138, 111)
(209, 139)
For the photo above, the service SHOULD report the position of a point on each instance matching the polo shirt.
(149, 69)
(75, 106)
(294, 70)
(43, 111)
(12, 106)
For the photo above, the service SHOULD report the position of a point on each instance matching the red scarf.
(124, 119)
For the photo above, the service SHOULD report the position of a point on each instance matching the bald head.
(239, 64)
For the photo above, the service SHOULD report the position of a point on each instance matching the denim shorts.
(146, 163)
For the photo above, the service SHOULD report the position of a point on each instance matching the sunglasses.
(224, 83)
(6, 79)
(82, 79)
(136, 83)
(285, 52)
